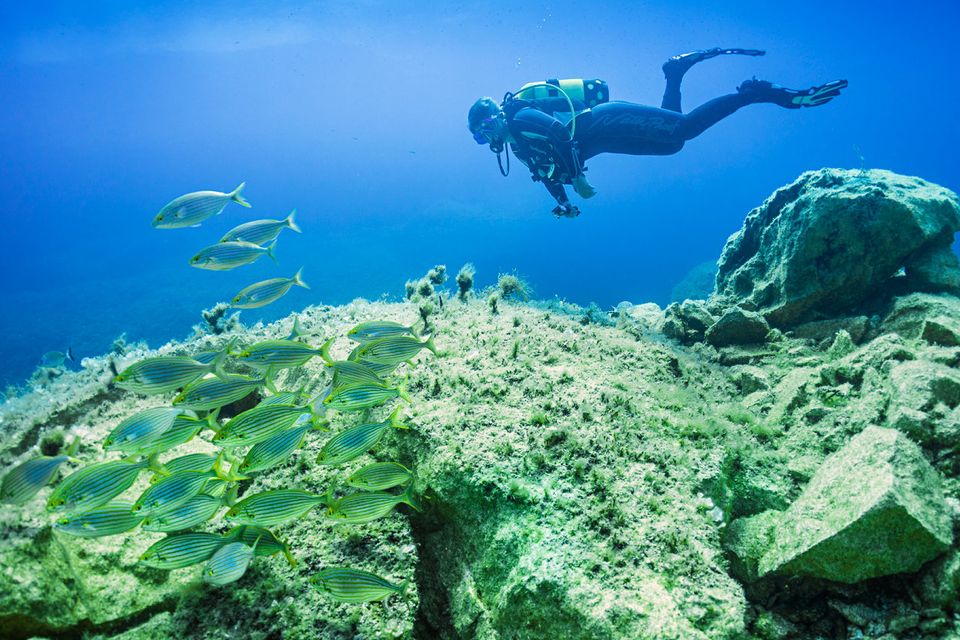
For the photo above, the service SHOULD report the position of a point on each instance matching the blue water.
(356, 116)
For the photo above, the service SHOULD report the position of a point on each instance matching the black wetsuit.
(542, 142)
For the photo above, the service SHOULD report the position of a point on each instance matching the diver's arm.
(557, 191)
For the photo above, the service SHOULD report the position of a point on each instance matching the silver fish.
(260, 294)
(261, 231)
(224, 256)
(193, 208)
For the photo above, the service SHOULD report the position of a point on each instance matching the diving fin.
(681, 63)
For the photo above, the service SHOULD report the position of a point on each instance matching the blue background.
(357, 117)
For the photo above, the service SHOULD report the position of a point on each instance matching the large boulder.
(874, 508)
(834, 239)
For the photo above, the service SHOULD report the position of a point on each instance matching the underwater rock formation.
(874, 508)
(835, 239)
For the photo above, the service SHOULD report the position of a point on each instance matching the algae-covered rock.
(835, 239)
(942, 330)
(687, 321)
(874, 508)
(737, 326)
(907, 315)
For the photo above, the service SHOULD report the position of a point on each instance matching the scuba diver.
(553, 127)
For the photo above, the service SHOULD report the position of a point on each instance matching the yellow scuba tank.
(589, 92)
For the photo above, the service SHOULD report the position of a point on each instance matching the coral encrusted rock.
(835, 239)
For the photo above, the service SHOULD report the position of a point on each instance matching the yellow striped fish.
(213, 393)
(379, 476)
(354, 585)
(273, 507)
(171, 492)
(189, 462)
(181, 550)
(108, 520)
(195, 511)
(275, 449)
(347, 373)
(367, 331)
(393, 349)
(25, 480)
(93, 486)
(139, 430)
(361, 507)
(228, 564)
(355, 441)
(362, 396)
(163, 374)
(258, 424)
(279, 354)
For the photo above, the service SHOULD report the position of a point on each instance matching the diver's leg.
(675, 68)
(756, 92)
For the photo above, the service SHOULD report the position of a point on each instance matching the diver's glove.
(583, 188)
(566, 210)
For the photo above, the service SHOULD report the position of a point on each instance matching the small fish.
(279, 354)
(191, 462)
(269, 543)
(257, 424)
(193, 208)
(228, 564)
(393, 349)
(354, 585)
(141, 429)
(212, 393)
(284, 397)
(193, 512)
(379, 476)
(108, 520)
(273, 507)
(57, 359)
(347, 373)
(260, 294)
(94, 486)
(26, 479)
(182, 550)
(361, 507)
(183, 430)
(224, 256)
(170, 492)
(261, 231)
(163, 374)
(355, 441)
(363, 396)
(274, 450)
(367, 331)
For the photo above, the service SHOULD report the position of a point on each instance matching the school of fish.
(185, 494)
